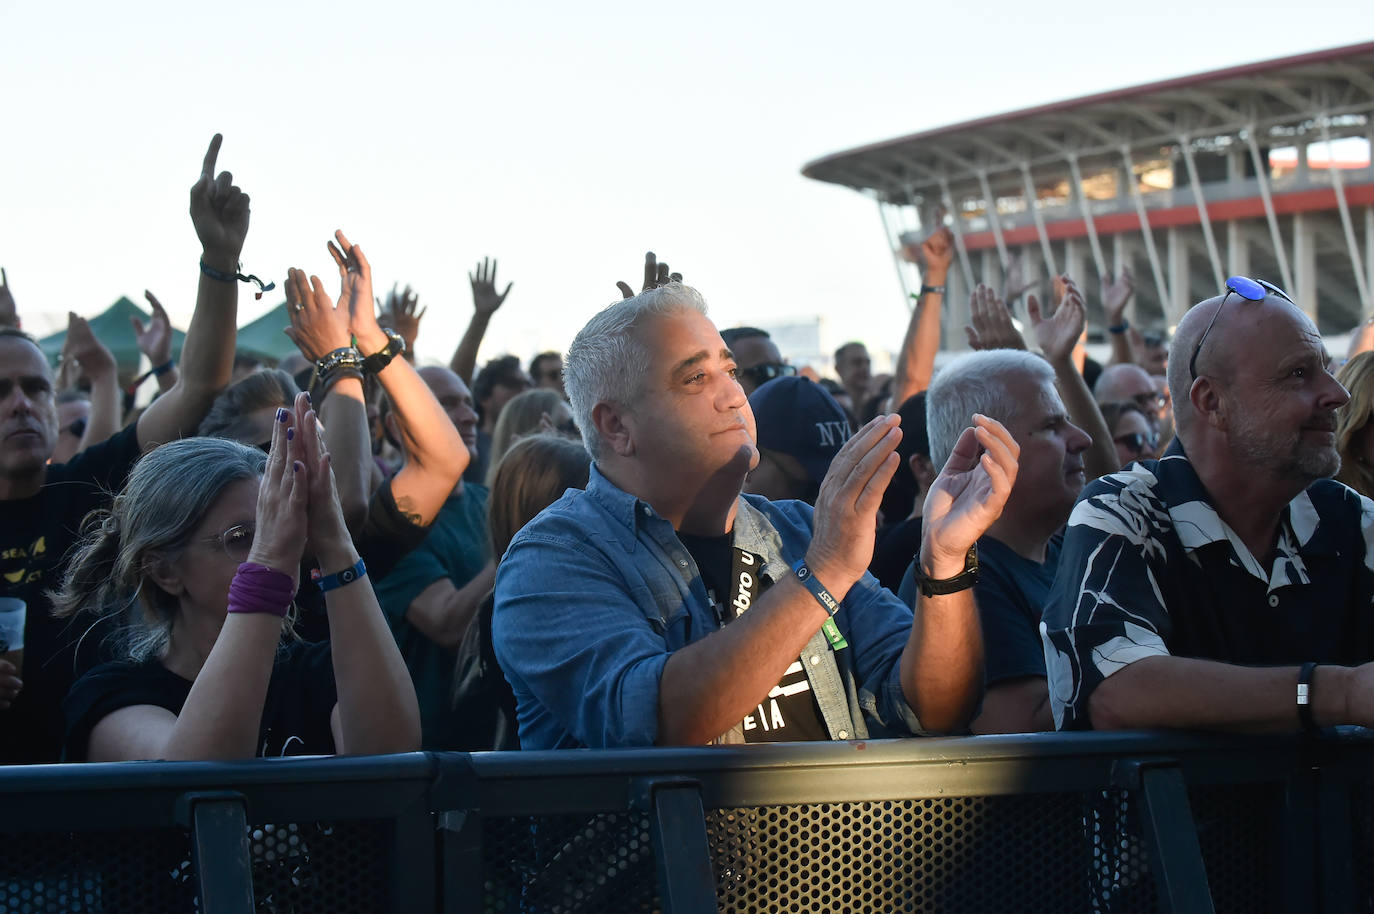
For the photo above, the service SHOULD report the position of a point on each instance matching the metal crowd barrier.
(1094, 822)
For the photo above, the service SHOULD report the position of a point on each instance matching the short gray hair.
(979, 382)
(607, 361)
(169, 492)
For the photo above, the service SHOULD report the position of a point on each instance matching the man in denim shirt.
(662, 607)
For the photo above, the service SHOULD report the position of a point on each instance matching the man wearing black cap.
(800, 430)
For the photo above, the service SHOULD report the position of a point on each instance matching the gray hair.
(979, 382)
(168, 492)
(607, 361)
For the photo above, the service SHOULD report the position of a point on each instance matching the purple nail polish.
(296, 467)
(308, 398)
(281, 414)
(290, 433)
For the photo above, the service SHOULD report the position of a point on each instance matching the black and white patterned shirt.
(1149, 568)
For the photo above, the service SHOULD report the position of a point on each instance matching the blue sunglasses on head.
(1246, 288)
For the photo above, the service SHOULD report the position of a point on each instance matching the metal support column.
(1185, 143)
(990, 203)
(1237, 249)
(1262, 176)
(1167, 821)
(1155, 267)
(1344, 206)
(957, 227)
(220, 856)
(686, 881)
(1087, 211)
(1304, 288)
(1033, 202)
(894, 244)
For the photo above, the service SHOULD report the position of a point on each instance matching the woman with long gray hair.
(201, 551)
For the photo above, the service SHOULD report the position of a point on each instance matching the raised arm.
(916, 361)
(155, 341)
(1116, 293)
(9, 313)
(219, 211)
(485, 302)
(1057, 335)
(377, 710)
(435, 455)
(402, 313)
(942, 666)
(83, 354)
(318, 329)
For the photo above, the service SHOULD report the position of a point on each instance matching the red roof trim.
(1178, 82)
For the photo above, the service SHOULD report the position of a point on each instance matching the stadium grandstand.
(1261, 169)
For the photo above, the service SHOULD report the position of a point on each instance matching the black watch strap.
(395, 345)
(934, 587)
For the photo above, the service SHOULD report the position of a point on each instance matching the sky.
(563, 139)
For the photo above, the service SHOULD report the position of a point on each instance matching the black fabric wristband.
(1304, 697)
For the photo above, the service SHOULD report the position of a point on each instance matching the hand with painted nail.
(329, 540)
(283, 495)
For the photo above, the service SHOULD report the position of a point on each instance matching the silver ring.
(299, 306)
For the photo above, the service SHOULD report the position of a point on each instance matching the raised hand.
(1058, 334)
(937, 252)
(1116, 293)
(219, 211)
(991, 326)
(1015, 284)
(154, 339)
(279, 532)
(655, 274)
(9, 314)
(485, 299)
(317, 327)
(399, 313)
(355, 292)
(847, 506)
(968, 495)
(325, 528)
(82, 354)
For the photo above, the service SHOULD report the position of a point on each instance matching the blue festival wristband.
(808, 580)
(339, 579)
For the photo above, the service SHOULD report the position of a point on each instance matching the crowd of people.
(667, 534)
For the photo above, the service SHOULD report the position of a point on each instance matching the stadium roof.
(1276, 98)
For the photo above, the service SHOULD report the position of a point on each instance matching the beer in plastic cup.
(12, 613)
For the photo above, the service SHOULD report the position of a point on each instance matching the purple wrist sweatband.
(259, 589)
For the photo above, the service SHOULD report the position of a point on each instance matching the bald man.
(1227, 585)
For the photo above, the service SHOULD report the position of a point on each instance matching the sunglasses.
(764, 372)
(1249, 290)
(76, 429)
(1136, 443)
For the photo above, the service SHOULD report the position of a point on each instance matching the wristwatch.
(395, 346)
(934, 587)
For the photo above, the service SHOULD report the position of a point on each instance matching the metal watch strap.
(935, 587)
(1304, 697)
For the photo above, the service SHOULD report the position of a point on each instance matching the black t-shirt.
(36, 534)
(789, 712)
(386, 537)
(1012, 592)
(896, 548)
(295, 718)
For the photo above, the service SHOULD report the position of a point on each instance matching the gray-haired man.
(660, 606)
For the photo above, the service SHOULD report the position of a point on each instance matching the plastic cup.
(12, 614)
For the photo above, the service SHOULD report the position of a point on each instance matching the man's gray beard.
(1256, 445)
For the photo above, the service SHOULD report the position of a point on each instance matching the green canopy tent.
(112, 328)
(264, 338)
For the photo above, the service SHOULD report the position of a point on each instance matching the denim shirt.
(597, 591)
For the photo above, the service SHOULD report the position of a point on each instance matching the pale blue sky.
(564, 139)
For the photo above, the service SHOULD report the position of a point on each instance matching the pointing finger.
(207, 168)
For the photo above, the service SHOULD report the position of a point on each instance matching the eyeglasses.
(764, 372)
(236, 541)
(1136, 443)
(1246, 288)
(1149, 401)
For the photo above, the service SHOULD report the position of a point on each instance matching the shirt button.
(843, 734)
(648, 512)
(1273, 599)
(815, 659)
(682, 563)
